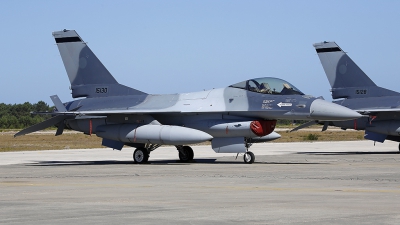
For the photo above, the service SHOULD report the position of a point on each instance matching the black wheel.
(186, 154)
(140, 155)
(248, 157)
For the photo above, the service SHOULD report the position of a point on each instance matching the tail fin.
(87, 75)
(345, 77)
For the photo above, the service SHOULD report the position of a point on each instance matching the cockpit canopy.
(268, 85)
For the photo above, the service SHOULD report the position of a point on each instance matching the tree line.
(17, 116)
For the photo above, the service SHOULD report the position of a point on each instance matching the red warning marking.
(90, 127)
(371, 118)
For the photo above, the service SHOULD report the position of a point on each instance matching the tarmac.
(290, 183)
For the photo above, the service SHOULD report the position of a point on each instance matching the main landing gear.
(186, 153)
(141, 155)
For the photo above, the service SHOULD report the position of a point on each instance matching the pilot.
(265, 89)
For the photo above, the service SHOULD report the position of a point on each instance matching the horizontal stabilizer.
(43, 125)
(57, 102)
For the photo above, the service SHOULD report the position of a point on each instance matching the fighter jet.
(355, 90)
(232, 118)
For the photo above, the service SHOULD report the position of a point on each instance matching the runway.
(289, 183)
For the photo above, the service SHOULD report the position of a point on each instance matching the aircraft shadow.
(349, 153)
(155, 162)
(117, 162)
(77, 163)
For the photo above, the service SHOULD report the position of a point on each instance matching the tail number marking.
(361, 92)
(101, 90)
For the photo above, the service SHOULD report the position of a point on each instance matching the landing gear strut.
(248, 156)
(142, 154)
(185, 153)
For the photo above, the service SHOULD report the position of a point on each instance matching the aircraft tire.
(249, 157)
(186, 154)
(140, 155)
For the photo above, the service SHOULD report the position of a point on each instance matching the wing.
(376, 110)
(111, 112)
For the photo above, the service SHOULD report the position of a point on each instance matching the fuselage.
(213, 104)
(211, 111)
(386, 120)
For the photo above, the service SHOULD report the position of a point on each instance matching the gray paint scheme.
(224, 116)
(352, 88)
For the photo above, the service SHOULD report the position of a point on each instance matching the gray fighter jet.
(357, 91)
(232, 118)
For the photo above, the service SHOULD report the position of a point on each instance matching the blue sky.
(165, 47)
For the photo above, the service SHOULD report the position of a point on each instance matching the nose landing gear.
(248, 157)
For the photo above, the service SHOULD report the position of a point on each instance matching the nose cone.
(323, 110)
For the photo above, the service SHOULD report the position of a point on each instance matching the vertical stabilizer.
(87, 75)
(339, 68)
(345, 77)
